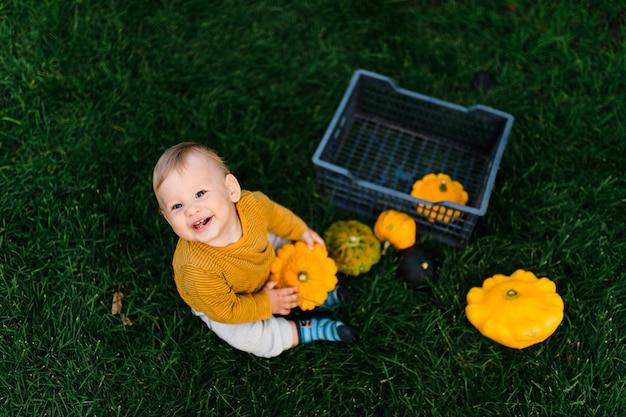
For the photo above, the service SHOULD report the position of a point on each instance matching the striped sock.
(337, 296)
(315, 328)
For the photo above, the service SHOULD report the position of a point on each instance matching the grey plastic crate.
(383, 138)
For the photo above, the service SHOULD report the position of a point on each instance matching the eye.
(176, 206)
(200, 193)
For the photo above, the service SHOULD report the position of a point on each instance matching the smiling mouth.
(201, 224)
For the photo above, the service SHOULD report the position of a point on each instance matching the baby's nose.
(192, 209)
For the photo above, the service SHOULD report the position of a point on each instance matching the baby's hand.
(311, 238)
(282, 300)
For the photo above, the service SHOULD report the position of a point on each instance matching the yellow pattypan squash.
(437, 188)
(517, 311)
(311, 270)
(395, 228)
(353, 246)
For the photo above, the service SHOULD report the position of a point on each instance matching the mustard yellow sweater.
(226, 283)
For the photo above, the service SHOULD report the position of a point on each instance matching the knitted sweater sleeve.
(211, 294)
(282, 221)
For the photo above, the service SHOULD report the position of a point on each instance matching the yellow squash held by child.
(517, 311)
(438, 188)
(311, 270)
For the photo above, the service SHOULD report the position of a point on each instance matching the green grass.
(91, 92)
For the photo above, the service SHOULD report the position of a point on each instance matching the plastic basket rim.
(406, 197)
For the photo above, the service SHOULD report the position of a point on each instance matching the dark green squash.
(417, 267)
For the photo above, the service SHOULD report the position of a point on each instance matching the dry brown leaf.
(125, 320)
(116, 306)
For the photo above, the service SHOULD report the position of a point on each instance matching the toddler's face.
(198, 202)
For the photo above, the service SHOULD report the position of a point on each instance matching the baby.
(227, 237)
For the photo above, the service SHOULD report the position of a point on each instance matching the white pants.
(265, 338)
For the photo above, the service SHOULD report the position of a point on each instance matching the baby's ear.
(233, 187)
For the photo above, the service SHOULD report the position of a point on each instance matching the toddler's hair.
(176, 157)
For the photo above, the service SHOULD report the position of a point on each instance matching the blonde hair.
(175, 158)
